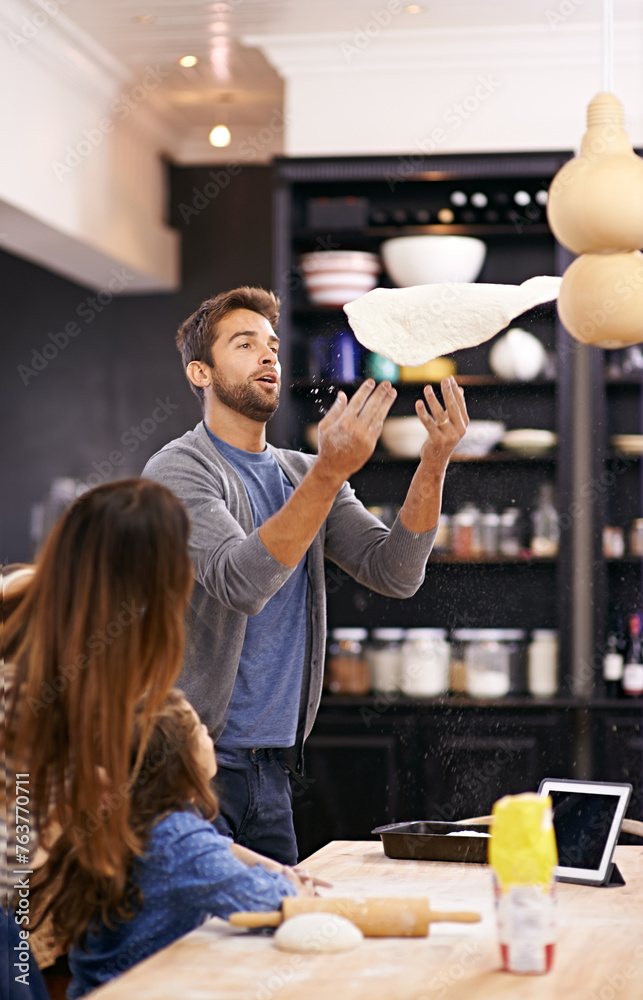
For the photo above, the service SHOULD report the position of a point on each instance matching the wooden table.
(599, 951)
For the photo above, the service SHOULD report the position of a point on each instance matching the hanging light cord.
(608, 45)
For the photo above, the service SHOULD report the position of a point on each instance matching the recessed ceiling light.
(220, 136)
(413, 8)
(144, 19)
(188, 61)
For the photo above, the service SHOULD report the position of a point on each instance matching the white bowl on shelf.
(529, 441)
(479, 438)
(425, 260)
(403, 437)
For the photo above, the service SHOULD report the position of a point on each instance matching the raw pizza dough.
(411, 326)
(317, 932)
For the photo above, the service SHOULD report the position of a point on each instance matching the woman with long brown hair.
(99, 624)
(187, 873)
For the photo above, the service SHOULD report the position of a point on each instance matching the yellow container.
(523, 857)
(432, 371)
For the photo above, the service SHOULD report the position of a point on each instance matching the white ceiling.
(235, 83)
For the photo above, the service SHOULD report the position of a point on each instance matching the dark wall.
(79, 415)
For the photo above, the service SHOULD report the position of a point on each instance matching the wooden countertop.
(599, 950)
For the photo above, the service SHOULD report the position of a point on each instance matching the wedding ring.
(441, 423)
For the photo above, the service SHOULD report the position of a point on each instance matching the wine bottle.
(613, 668)
(633, 667)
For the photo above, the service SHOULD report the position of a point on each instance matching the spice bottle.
(613, 668)
(545, 529)
(633, 666)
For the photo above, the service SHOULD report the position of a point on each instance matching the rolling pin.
(631, 826)
(389, 916)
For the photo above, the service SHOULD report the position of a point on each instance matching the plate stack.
(334, 277)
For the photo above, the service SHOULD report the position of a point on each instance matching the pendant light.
(595, 209)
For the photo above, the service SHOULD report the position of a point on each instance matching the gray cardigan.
(235, 575)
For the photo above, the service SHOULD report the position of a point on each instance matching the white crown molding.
(72, 56)
(566, 45)
(60, 46)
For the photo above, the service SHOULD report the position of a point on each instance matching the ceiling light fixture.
(188, 61)
(220, 136)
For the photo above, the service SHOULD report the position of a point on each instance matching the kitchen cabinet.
(418, 760)
(386, 759)
(617, 733)
(356, 203)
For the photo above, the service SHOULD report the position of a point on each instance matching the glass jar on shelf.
(346, 666)
(542, 664)
(465, 532)
(636, 537)
(545, 536)
(384, 658)
(425, 662)
(494, 661)
(510, 540)
(489, 532)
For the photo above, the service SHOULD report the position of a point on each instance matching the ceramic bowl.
(479, 438)
(424, 260)
(403, 436)
(529, 441)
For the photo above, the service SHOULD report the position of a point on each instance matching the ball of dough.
(315, 932)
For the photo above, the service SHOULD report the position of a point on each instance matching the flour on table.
(411, 326)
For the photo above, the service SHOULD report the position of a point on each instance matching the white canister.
(384, 658)
(425, 662)
(542, 663)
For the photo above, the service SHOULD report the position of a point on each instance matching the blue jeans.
(31, 985)
(256, 802)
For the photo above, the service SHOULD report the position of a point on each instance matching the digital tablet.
(587, 822)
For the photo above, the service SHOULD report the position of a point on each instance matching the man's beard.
(246, 398)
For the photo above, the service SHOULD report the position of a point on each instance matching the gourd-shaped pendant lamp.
(595, 209)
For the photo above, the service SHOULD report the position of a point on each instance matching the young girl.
(187, 872)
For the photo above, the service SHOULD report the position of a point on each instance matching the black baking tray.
(425, 840)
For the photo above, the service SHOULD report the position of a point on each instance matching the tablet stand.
(615, 877)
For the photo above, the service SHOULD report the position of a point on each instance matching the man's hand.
(445, 426)
(349, 431)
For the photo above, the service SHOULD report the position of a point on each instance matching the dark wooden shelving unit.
(377, 759)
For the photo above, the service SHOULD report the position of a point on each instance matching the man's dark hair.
(198, 332)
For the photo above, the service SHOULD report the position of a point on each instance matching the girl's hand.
(306, 884)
